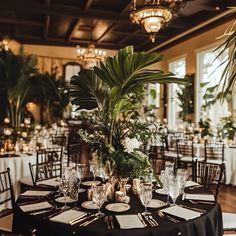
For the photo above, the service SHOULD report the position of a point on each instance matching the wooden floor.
(227, 198)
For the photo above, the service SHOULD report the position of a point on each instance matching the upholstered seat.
(229, 221)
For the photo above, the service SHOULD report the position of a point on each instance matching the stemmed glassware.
(64, 186)
(81, 172)
(94, 169)
(146, 196)
(174, 189)
(99, 197)
(182, 176)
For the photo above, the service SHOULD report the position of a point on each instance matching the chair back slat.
(6, 189)
(214, 151)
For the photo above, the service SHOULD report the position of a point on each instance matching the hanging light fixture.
(154, 14)
(91, 56)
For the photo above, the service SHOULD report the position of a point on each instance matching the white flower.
(130, 144)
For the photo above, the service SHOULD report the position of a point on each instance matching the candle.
(119, 196)
(6, 120)
(7, 132)
(27, 121)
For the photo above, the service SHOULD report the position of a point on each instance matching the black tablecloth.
(209, 224)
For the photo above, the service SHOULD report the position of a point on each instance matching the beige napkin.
(49, 182)
(181, 212)
(67, 216)
(129, 221)
(35, 193)
(35, 206)
(201, 197)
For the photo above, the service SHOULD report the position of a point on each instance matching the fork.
(201, 202)
(162, 215)
(153, 220)
(110, 218)
(106, 220)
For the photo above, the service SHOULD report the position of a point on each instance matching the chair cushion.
(213, 161)
(186, 159)
(229, 221)
(172, 154)
(6, 223)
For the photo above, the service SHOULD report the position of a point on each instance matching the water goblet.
(94, 169)
(81, 172)
(146, 196)
(99, 197)
(64, 186)
(182, 176)
(169, 167)
(174, 189)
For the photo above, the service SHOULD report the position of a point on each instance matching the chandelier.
(154, 14)
(91, 56)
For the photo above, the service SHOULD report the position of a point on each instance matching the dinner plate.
(89, 205)
(155, 203)
(161, 191)
(90, 183)
(68, 199)
(118, 207)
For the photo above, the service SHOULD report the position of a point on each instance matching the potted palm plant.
(113, 90)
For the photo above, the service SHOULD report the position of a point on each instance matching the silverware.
(90, 221)
(149, 221)
(76, 219)
(81, 219)
(106, 220)
(162, 215)
(153, 220)
(201, 202)
(193, 208)
(111, 221)
(141, 218)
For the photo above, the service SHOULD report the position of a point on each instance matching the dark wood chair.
(73, 153)
(6, 196)
(209, 175)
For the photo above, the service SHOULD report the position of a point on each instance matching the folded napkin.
(190, 184)
(49, 182)
(68, 216)
(129, 221)
(201, 197)
(35, 206)
(181, 212)
(35, 193)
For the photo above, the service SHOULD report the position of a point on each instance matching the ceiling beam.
(61, 10)
(20, 22)
(113, 26)
(76, 22)
(47, 20)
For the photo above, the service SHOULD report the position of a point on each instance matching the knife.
(86, 217)
(140, 217)
(194, 209)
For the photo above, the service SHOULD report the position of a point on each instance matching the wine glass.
(64, 186)
(99, 197)
(81, 172)
(94, 169)
(174, 189)
(146, 196)
(182, 176)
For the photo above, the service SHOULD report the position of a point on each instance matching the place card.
(129, 221)
(67, 216)
(181, 212)
(35, 193)
(35, 206)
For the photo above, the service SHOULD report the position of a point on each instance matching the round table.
(19, 167)
(208, 224)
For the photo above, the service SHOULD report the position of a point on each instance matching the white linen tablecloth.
(19, 168)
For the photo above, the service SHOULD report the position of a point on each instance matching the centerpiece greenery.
(115, 90)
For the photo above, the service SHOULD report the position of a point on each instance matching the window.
(209, 70)
(178, 67)
(154, 95)
(71, 69)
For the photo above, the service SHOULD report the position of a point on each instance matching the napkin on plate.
(35, 206)
(49, 182)
(35, 193)
(67, 216)
(201, 197)
(129, 221)
(190, 184)
(181, 212)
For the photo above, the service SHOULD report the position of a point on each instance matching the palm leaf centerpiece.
(114, 89)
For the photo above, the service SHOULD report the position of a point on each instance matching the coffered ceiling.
(103, 22)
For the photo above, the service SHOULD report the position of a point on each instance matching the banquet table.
(208, 224)
(230, 161)
(19, 167)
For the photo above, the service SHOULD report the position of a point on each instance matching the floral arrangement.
(115, 91)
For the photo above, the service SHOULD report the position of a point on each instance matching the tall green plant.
(110, 89)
